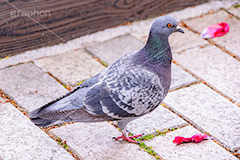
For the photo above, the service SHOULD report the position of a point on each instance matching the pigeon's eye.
(169, 25)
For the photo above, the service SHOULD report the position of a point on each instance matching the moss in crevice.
(62, 143)
(237, 5)
(150, 150)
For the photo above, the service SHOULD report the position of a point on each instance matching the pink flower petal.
(199, 137)
(178, 140)
(215, 30)
(195, 138)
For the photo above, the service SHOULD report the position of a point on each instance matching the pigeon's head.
(165, 26)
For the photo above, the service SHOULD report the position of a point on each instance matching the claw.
(135, 136)
(128, 138)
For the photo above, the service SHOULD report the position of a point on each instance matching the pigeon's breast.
(163, 72)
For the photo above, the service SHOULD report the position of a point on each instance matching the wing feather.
(124, 92)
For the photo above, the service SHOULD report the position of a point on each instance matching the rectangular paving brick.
(21, 139)
(94, 141)
(230, 40)
(180, 77)
(205, 150)
(181, 42)
(217, 68)
(160, 119)
(111, 50)
(29, 86)
(209, 111)
(71, 67)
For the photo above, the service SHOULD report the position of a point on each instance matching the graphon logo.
(30, 13)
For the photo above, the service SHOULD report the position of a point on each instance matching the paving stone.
(195, 11)
(205, 150)
(159, 119)
(29, 86)
(21, 139)
(180, 77)
(229, 41)
(111, 50)
(235, 11)
(209, 111)
(180, 42)
(217, 68)
(71, 67)
(94, 141)
(141, 29)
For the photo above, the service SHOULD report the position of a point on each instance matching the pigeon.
(129, 88)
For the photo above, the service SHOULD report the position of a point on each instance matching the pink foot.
(128, 138)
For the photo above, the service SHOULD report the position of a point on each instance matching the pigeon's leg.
(125, 134)
(128, 138)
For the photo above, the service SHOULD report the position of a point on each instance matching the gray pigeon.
(131, 87)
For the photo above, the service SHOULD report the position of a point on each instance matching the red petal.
(215, 30)
(224, 28)
(199, 137)
(178, 140)
(195, 138)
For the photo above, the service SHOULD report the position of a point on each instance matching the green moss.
(62, 143)
(80, 83)
(237, 5)
(104, 63)
(151, 136)
(65, 86)
(147, 137)
(174, 129)
(149, 150)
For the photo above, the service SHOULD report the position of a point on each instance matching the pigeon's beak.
(179, 29)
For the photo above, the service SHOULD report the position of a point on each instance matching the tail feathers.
(54, 111)
(75, 115)
(37, 120)
(34, 113)
(68, 109)
(42, 122)
(43, 117)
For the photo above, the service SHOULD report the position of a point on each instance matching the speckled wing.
(125, 92)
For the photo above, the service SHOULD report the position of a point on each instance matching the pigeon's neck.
(156, 51)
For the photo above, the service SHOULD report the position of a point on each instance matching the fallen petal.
(178, 140)
(215, 30)
(195, 138)
(199, 137)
